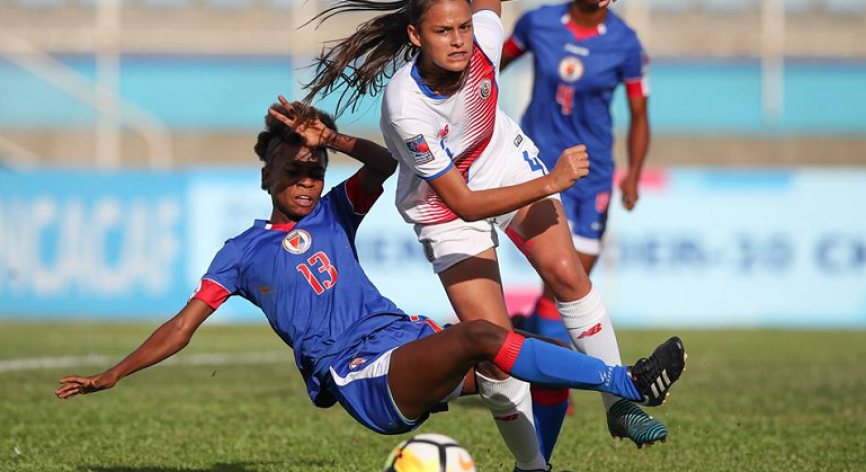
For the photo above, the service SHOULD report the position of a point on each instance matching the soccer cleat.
(627, 420)
(654, 376)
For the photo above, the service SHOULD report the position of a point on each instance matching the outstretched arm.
(167, 340)
(474, 205)
(378, 163)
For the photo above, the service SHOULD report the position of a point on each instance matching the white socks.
(511, 405)
(591, 332)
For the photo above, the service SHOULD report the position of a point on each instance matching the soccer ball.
(429, 453)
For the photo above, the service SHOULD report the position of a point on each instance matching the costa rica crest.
(485, 88)
(297, 241)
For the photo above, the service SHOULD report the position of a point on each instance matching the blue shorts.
(586, 212)
(359, 376)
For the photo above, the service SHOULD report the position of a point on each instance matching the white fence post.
(773, 59)
(109, 147)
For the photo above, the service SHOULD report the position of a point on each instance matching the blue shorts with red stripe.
(586, 211)
(359, 376)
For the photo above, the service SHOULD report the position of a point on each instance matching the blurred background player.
(582, 53)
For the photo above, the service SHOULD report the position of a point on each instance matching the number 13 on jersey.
(319, 258)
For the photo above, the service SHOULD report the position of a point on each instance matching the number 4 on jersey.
(565, 98)
(319, 258)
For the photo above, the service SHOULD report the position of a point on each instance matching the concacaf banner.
(702, 248)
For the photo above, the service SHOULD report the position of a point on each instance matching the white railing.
(771, 52)
(102, 95)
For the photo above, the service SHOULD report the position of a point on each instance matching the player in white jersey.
(465, 167)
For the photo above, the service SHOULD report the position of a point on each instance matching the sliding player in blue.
(387, 369)
(581, 53)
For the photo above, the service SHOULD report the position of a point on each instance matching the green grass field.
(750, 401)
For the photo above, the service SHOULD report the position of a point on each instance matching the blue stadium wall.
(230, 93)
(704, 248)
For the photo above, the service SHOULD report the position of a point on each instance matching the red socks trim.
(508, 352)
(547, 397)
(546, 309)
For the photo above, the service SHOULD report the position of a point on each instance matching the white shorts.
(446, 244)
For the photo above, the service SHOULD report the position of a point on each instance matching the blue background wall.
(703, 248)
(688, 97)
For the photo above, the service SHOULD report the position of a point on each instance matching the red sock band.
(548, 397)
(546, 309)
(509, 351)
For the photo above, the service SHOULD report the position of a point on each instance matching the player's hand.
(573, 165)
(74, 385)
(305, 121)
(628, 186)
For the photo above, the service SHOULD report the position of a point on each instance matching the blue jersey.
(306, 279)
(576, 72)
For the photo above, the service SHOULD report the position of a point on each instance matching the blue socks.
(549, 408)
(546, 364)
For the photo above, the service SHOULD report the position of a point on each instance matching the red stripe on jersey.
(480, 111)
(635, 89)
(480, 121)
(434, 210)
(281, 227)
(512, 48)
(359, 198)
(433, 325)
(212, 293)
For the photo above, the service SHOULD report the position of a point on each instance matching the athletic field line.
(97, 360)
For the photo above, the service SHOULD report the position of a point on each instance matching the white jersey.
(428, 133)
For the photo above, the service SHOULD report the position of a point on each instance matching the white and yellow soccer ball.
(429, 453)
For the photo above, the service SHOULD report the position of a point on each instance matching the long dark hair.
(364, 61)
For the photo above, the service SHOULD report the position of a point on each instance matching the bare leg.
(474, 288)
(587, 261)
(547, 243)
(425, 371)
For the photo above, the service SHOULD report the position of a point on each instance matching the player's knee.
(565, 275)
(483, 336)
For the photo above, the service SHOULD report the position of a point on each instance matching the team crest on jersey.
(570, 69)
(419, 149)
(297, 241)
(484, 88)
(356, 362)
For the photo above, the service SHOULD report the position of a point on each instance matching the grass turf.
(750, 401)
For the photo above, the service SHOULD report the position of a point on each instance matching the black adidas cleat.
(654, 376)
